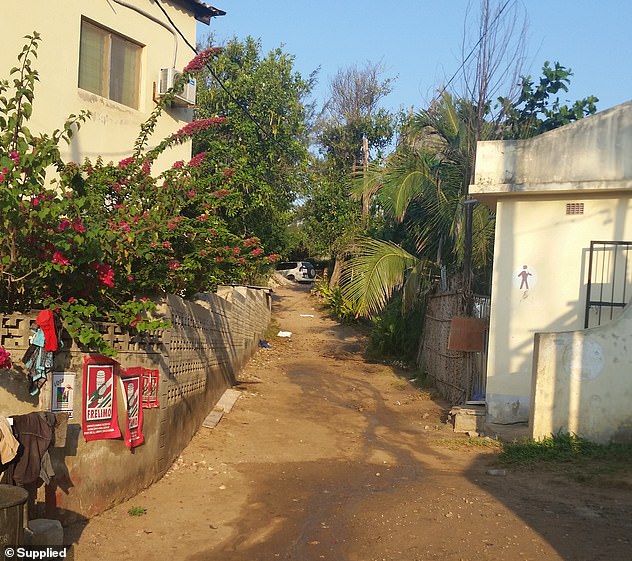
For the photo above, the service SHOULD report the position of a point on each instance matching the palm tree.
(423, 188)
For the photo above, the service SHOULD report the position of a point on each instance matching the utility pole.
(365, 166)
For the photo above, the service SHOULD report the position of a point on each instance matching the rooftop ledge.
(492, 192)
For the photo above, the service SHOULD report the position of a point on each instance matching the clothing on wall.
(39, 357)
(35, 433)
(8, 444)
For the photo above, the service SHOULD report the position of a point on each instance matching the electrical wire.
(155, 20)
(215, 77)
(471, 52)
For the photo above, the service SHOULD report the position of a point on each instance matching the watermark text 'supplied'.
(42, 552)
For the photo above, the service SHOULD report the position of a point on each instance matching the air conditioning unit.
(185, 98)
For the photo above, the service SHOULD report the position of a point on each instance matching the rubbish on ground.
(307, 315)
(284, 334)
(263, 344)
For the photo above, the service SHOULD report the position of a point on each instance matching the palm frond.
(420, 280)
(405, 179)
(374, 273)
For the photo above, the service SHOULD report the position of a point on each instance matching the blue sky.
(419, 41)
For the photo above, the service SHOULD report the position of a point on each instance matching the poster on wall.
(100, 418)
(132, 395)
(150, 388)
(63, 394)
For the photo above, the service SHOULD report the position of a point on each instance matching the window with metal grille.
(574, 208)
(109, 64)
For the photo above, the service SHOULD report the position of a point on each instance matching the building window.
(109, 64)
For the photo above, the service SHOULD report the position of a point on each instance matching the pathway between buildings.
(326, 456)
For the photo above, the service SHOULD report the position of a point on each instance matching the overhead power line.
(215, 77)
(471, 52)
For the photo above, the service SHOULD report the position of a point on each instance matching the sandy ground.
(328, 456)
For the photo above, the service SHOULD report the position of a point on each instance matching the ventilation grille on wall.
(574, 208)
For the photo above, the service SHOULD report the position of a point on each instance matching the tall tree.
(263, 150)
(537, 110)
(353, 113)
(352, 130)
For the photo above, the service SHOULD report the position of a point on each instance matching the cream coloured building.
(553, 195)
(104, 56)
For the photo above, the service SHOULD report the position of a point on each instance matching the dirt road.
(327, 456)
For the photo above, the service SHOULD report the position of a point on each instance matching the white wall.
(582, 382)
(554, 247)
(114, 127)
(529, 183)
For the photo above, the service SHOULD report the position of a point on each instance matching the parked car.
(299, 271)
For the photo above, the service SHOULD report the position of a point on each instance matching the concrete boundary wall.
(582, 382)
(209, 340)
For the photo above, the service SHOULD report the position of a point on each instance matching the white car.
(299, 271)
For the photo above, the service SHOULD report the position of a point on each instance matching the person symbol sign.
(525, 278)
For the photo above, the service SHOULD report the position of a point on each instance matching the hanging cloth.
(38, 362)
(8, 444)
(46, 320)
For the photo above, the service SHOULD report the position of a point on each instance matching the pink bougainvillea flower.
(200, 60)
(198, 126)
(130, 278)
(197, 160)
(105, 273)
(221, 193)
(191, 194)
(5, 358)
(15, 156)
(178, 164)
(135, 320)
(256, 252)
(71, 300)
(35, 201)
(173, 264)
(228, 172)
(126, 162)
(166, 245)
(146, 169)
(60, 259)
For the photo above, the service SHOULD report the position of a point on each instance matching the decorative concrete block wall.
(198, 357)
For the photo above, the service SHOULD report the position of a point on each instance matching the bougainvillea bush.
(96, 240)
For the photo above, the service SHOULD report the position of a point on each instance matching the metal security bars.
(609, 285)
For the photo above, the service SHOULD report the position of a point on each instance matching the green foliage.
(395, 335)
(339, 306)
(137, 511)
(563, 448)
(329, 218)
(537, 111)
(90, 241)
(263, 153)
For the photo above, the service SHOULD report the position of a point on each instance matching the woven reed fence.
(459, 376)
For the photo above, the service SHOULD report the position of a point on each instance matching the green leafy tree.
(539, 109)
(262, 149)
(422, 188)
